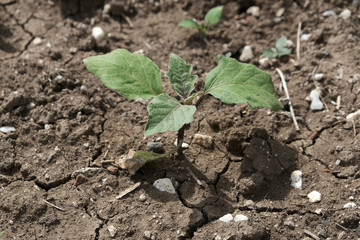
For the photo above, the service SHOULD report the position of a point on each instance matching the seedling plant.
(212, 17)
(135, 76)
(279, 50)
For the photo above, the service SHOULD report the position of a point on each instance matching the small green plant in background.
(135, 76)
(212, 17)
(279, 49)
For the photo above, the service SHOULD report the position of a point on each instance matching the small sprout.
(212, 17)
(279, 50)
(136, 76)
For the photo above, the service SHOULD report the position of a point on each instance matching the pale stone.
(246, 54)
(254, 11)
(314, 196)
(296, 179)
(98, 33)
(164, 185)
(203, 140)
(240, 217)
(316, 103)
(226, 218)
(345, 14)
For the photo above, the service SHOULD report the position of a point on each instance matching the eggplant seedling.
(279, 50)
(212, 17)
(135, 76)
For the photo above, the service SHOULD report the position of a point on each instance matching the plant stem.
(180, 137)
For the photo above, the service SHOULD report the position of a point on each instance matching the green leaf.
(189, 24)
(281, 42)
(213, 15)
(180, 76)
(235, 82)
(280, 46)
(284, 51)
(167, 114)
(270, 53)
(134, 75)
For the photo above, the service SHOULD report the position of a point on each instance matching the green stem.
(180, 137)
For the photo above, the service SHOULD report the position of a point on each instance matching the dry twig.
(338, 102)
(127, 19)
(53, 205)
(288, 97)
(298, 42)
(128, 190)
(312, 235)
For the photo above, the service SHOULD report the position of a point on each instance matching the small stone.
(345, 14)
(164, 185)
(107, 8)
(289, 43)
(246, 54)
(339, 148)
(112, 230)
(30, 106)
(318, 76)
(147, 234)
(305, 37)
(316, 103)
(98, 33)
(73, 50)
(338, 162)
(203, 140)
(226, 218)
(112, 169)
(249, 204)
(350, 205)
(289, 222)
(280, 12)
(7, 129)
(11, 222)
(155, 147)
(314, 196)
(318, 211)
(254, 11)
(321, 232)
(240, 217)
(329, 13)
(183, 145)
(296, 179)
(265, 62)
(142, 197)
(37, 41)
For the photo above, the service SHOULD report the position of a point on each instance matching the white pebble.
(6, 129)
(296, 179)
(316, 103)
(254, 11)
(164, 185)
(240, 217)
(280, 12)
(246, 54)
(112, 230)
(337, 162)
(265, 62)
(226, 218)
(142, 197)
(345, 14)
(353, 116)
(107, 8)
(37, 41)
(318, 76)
(203, 140)
(183, 145)
(329, 13)
(314, 196)
(289, 43)
(318, 211)
(30, 106)
(98, 33)
(350, 205)
(305, 37)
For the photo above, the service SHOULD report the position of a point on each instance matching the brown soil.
(66, 120)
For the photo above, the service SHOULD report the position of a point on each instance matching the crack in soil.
(54, 184)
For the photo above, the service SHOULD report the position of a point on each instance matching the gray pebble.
(155, 147)
(329, 13)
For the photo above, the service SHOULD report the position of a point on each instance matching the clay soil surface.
(58, 179)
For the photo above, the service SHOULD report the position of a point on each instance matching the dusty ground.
(66, 120)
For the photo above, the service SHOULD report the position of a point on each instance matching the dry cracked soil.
(58, 177)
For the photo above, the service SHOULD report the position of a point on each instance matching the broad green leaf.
(213, 15)
(235, 82)
(284, 51)
(167, 114)
(180, 76)
(134, 75)
(280, 46)
(281, 42)
(270, 53)
(189, 23)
